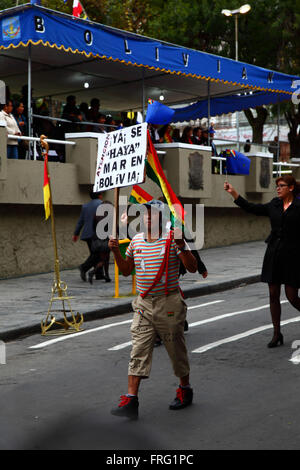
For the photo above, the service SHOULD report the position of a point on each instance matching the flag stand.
(59, 288)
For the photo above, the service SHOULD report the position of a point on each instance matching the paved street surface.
(24, 301)
(57, 392)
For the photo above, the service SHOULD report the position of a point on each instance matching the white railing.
(220, 159)
(36, 140)
(279, 171)
(279, 165)
(81, 123)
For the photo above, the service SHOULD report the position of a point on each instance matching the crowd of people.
(190, 135)
(16, 124)
(73, 118)
(80, 118)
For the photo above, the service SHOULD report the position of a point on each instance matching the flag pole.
(116, 213)
(59, 288)
(53, 228)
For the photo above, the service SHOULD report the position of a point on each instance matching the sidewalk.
(24, 301)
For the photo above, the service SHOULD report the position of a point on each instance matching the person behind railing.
(205, 136)
(84, 109)
(247, 146)
(71, 113)
(176, 135)
(154, 134)
(94, 110)
(11, 128)
(213, 146)
(273, 148)
(187, 135)
(24, 100)
(166, 133)
(110, 122)
(197, 136)
(101, 129)
(22, 123)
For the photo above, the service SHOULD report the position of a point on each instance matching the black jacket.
(86, 219)
(283, 241)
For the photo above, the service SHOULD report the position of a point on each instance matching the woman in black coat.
(282, 259)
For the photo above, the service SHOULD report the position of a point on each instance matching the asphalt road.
(58, 395)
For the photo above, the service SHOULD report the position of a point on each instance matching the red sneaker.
(128, 407)
(184, 397)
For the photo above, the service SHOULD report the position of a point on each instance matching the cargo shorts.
(163, 315)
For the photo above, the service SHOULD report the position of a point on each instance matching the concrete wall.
(229, 226)
(26, 243)
(25, 237)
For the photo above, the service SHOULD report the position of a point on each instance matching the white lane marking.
(232, 314)
(129, 343)
(205, 305)
(75, 335)
(203, 322)
(231, 339)
(120, 346)
(295, 360)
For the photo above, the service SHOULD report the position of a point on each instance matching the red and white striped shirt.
(148, 257)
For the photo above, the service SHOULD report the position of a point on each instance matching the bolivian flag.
(155, 172)
(78, 10)
(47, 196)
(167, 138)
(139, 195)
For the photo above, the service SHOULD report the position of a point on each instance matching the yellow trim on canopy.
(158, 69)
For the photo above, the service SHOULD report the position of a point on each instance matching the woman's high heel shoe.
(274, 343)
(91, 275)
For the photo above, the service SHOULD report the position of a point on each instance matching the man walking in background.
(86, 225)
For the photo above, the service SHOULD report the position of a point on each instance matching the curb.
(28, 330)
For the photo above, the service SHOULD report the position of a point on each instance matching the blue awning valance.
(227, 104)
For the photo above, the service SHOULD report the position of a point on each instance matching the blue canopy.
(64, 46)
(228, 104)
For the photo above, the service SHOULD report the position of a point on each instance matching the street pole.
(239, 11)
(236, 37)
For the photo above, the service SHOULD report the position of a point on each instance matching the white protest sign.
(121, 158)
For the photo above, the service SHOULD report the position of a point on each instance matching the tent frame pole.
(29, 106)
(143, 94)
(278, 132)
(208, 110)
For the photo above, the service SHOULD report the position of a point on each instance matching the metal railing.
(219, 159)
(67, 121)
(280, 165)
(35, 141)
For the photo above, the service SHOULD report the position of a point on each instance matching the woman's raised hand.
(230, 189)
